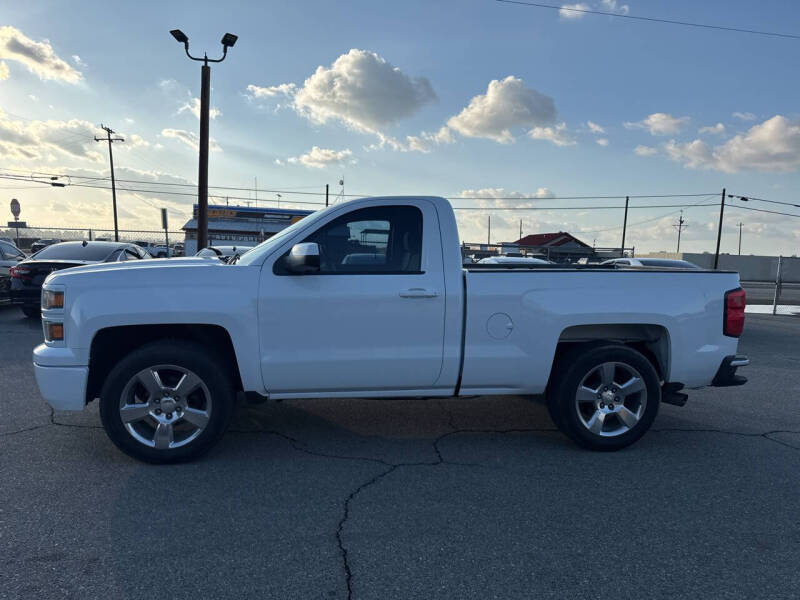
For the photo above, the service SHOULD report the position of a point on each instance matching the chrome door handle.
(418, 293)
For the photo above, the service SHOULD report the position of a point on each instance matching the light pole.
(228, 41)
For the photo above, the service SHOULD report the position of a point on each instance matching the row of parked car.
(21, 276)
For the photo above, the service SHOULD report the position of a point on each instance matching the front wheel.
(167, 402)
(604, 398)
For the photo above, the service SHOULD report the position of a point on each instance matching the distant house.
(560, 246)
(562, 239)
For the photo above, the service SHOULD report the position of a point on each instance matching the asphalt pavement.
(468, 498)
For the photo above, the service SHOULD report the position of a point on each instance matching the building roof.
(237, 226)
(550, 239)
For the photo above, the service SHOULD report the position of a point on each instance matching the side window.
(380, 239)
(130, 255)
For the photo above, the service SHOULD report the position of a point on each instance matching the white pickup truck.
(369, 298)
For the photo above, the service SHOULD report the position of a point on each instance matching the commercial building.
(240, 225)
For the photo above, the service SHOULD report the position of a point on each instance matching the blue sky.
(396, 98)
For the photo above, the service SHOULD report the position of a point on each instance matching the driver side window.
(380, 239)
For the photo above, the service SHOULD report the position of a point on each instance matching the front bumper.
(726, 374)
(62, 382)
(64, 388)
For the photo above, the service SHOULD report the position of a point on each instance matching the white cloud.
(771, 146)
(602, 142)
(33, 140)
(717, 129)
(38, 57)
(78, 61)
(615, 7)
(193, 106)
(745, 116)
(572, 11)
(497, 193)
(645, 150)
(472, 224)
(360, 89)
(507, 104)
(557, 135)
(595, 128)
(319, 158)
(190, 139)
(3, 71)
(659, 124)
(284, 89)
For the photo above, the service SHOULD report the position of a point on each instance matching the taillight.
(20, 272)
(733, 322)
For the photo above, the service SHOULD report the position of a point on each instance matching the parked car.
(223, 253)
(294, 318)
(178, 249)
(662, 263)
(28, 275)
(513, 260)
(155, 250)
(10, 255)
(43, 243)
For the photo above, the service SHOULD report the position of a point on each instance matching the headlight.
(53, 332)
(52, 299)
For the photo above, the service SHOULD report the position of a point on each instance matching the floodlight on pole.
(228, 41)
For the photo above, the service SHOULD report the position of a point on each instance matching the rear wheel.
(605, 398)
(167, 402)
(31, 311)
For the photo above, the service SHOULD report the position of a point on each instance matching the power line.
(615, 207)
(762, 210)
(748, 198)
(294, 192)
(652, 19)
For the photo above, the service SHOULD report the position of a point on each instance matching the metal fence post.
(777, 287)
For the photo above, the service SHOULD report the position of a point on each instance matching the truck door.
(371, 318)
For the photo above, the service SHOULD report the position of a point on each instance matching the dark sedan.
(27, 276)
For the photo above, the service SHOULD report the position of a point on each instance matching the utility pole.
(110, 140)
(228, 41)
(624, 226)
(489, 233)
(719, 231)
(520, 229)
(680, 225)
(326, 195)
(740, 237)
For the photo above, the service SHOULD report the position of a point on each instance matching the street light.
(228, 41)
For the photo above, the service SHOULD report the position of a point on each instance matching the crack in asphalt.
(766, 435)
(391, 467)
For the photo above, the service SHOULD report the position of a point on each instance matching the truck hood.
(137, 268)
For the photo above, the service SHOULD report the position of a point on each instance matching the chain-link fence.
(559, 254)
(25, 237)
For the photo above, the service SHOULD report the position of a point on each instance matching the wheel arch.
(111, 344)
(651, 340)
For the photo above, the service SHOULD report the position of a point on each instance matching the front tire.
(167, 402)
(604, 398)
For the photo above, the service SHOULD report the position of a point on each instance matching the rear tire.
(167, 402)
(604, 398)
(30, 311)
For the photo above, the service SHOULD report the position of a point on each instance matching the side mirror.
(303, 258)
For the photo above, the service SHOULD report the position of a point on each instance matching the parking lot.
(468, 498)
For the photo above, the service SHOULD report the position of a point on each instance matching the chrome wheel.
(165, 406)
(611, 399)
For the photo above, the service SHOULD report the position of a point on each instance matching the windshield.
(257, 254)
(673, 264)
(76, 251)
